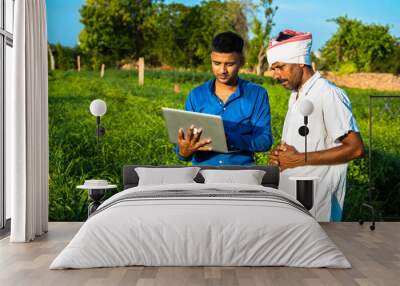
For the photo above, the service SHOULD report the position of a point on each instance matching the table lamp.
(305, 185)
(98, 108)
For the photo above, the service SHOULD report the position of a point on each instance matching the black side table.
(96, 193)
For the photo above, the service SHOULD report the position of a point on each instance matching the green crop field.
(135, 134)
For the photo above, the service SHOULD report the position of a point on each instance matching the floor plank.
(374, 255)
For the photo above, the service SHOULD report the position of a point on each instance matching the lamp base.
(305, 190)
(305, 193)
(96, 195)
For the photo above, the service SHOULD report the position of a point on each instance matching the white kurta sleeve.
(337, 113)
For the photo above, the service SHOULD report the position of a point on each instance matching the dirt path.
(378, 81)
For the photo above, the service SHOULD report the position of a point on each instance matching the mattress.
(201, 225)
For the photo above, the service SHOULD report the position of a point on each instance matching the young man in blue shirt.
(243, 106)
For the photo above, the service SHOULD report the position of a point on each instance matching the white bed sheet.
(200, 232)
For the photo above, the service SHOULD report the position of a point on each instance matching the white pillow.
(166, 176)
(248, 177)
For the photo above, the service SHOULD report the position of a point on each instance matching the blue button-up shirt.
(246, 117)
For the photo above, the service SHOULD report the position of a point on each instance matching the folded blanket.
(205, 193)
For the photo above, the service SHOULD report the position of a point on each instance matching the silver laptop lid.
(212, 126)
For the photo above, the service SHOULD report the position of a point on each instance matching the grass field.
(135, 134)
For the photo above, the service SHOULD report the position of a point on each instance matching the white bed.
(183, 230)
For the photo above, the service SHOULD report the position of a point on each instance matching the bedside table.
(96, 193)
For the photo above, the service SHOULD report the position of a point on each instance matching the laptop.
(212, 125)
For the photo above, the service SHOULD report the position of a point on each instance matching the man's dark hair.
(227, 42)
(283, 36)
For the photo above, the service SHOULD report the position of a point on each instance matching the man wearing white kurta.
(333, 137)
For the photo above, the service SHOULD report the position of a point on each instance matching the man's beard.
(285, 83)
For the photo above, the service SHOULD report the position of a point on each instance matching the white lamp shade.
(306, 107)
(98, 107)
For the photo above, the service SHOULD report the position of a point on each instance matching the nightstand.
(96, 193)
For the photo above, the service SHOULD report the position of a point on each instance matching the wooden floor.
(374, 255)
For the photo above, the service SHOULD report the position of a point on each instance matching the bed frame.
(270, 179)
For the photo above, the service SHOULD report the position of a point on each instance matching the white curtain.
(27, 124)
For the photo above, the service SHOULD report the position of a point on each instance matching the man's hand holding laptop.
(192, 142)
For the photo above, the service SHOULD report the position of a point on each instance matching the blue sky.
(307, 15)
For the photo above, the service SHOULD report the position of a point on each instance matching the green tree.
(173, 34)
(391, 64)
(216, 16)
(255, 43)
(116, 29)
(354, 43)
(184, 33)
(64, 57)
(257, 57)
(173, 26)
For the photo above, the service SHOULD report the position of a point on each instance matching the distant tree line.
(64, 57)
(172, 34)
(358, 47)
(120, 31)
